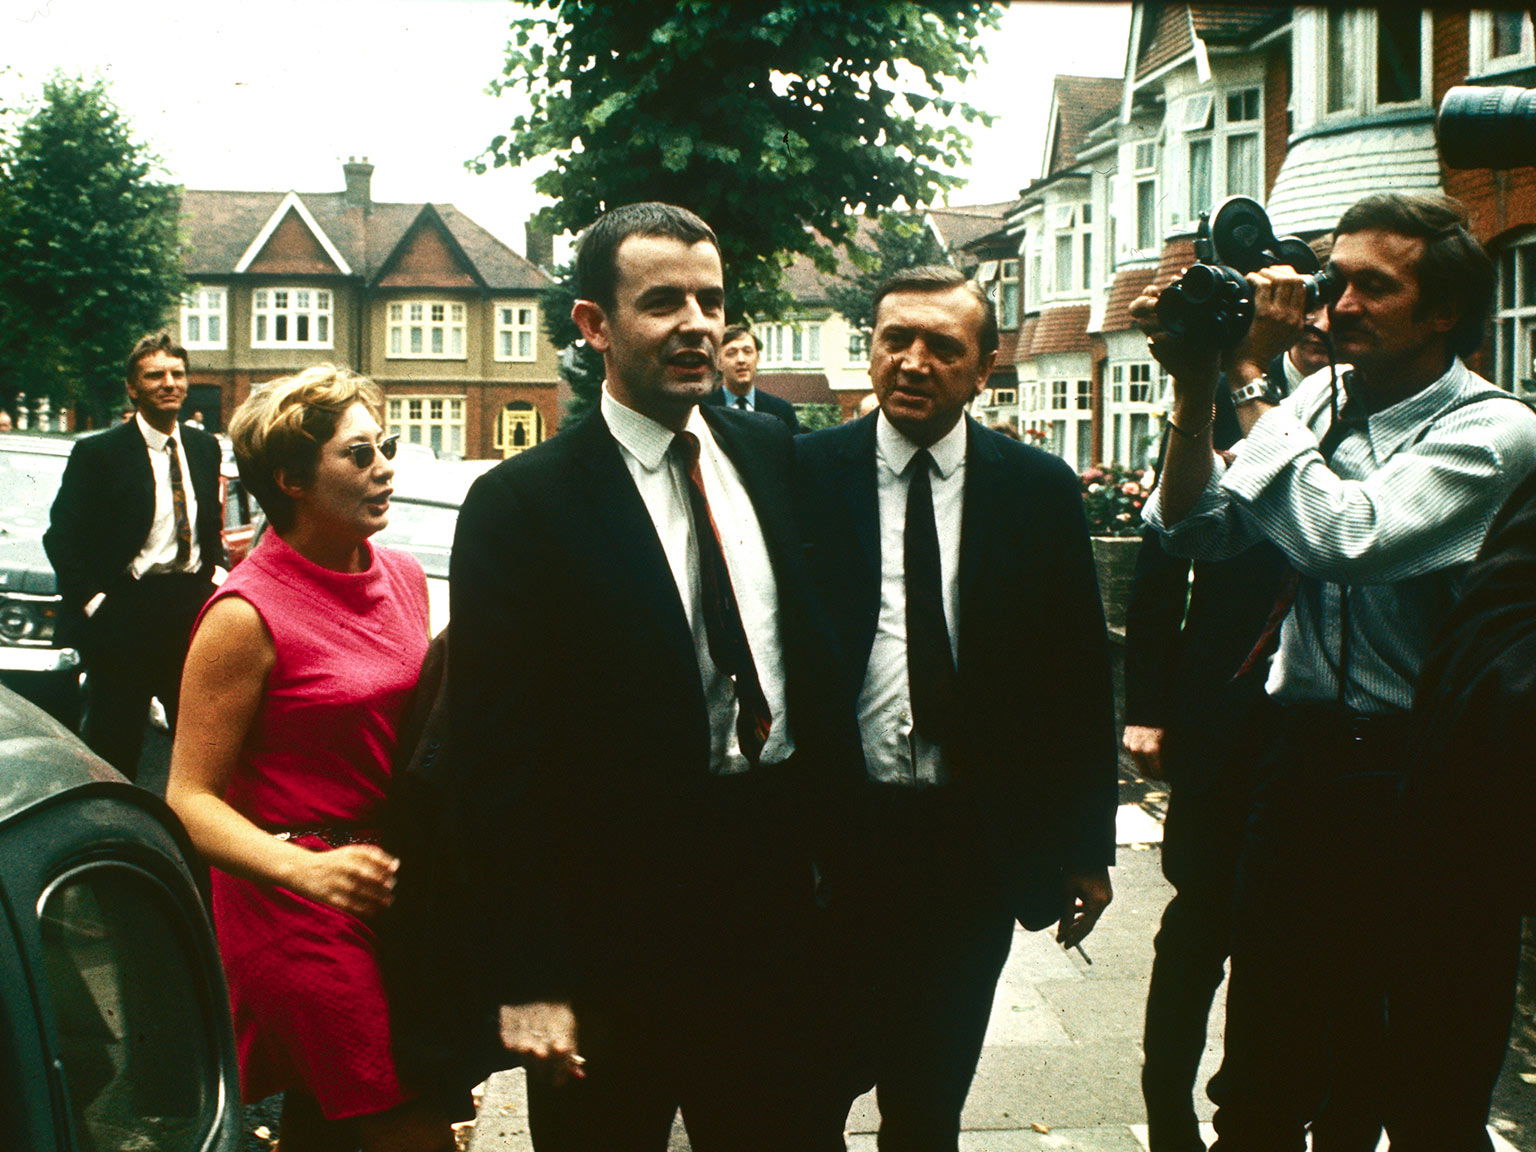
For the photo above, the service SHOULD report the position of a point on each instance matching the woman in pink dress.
(300, 668)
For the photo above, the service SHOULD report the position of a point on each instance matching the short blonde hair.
(283, 424)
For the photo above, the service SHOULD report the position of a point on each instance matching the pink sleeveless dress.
(304, 982)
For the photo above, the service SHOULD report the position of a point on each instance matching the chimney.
(539, 244)
(359, 174)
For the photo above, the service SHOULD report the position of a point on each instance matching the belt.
(1326, 722)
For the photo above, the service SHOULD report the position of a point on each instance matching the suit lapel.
(613, 518)
(134, 453)
(855, 479)
(981, 514)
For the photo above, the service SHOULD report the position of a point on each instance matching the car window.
(423, 530)
(28, 483)
(136, 1042)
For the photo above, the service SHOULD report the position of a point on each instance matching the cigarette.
(576, 1061)
(1078, 948)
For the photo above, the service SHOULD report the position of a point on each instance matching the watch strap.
(1259, 389)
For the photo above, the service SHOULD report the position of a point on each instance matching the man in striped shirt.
(1378, 486)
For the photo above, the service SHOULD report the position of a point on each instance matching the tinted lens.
(362, 454)
(388, 446)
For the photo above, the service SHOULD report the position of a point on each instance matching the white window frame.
(791, 344)
(414, 326)
(434, 420)
(517, 335)
(1009, 297)
(1217, 138)
(205, 307)
(1360, 50)
(1482, 61)
(288, 309)
(1514, 322)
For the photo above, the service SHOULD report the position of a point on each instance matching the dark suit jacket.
(607, 854)
(766, 402)
(106, 505)
(1184, 643)
(1036, 753)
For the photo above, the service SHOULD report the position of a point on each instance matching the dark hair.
(941, 278)
(597, 272)
(1454, 266)
(736, 332)
(148, 346)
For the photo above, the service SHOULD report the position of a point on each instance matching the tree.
(901, 240)
(581, 365)
(89, 256)
(770, 119)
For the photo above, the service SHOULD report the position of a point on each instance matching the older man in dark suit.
(134, 537)
(739, 350)
(638, 770)
(957, 568)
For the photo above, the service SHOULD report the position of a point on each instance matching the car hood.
(24, 566)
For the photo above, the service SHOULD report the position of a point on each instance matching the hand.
(1146, 748)
(1279, 314)
(356, 878)
(543, 1033)
(1085, 895)
(1194, 370)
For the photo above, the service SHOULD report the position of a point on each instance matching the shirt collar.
(896, 451)
(730, 397)
(154, 437)
(640, 436)
(1394, 425)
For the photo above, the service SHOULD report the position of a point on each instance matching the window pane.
(1398, 54)
(1146, 215)
(1199, 177)
(195, 331)
(302, 333)
(215, 329)
(139, 1059)
(280, 328)
(1525, 287)
(1343, 69)
(1064, 262)
(1504, 32)
(1243, 165)
(324, 334)
(1086, 260)
(504, 345)
(525, 345)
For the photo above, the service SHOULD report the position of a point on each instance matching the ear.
(985, 372)
(593, 322)
(286, 486)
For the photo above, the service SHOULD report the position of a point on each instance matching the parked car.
(422, 515)
(31, 660)
(113, 1008)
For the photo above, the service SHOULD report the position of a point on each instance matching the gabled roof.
(224, 231)
(1078, 104)
(1168, 30)
(959, 227)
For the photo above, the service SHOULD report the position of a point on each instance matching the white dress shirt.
(732, 400)
(1397, 515)
(159, 552)
(662, 482)
(893, 751)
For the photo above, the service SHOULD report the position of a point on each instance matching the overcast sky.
(275, 95)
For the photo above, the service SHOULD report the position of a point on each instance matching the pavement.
(1061, 1068)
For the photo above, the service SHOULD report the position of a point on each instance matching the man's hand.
(1194, 370)
(1146, 748)
(543, 1033)
(1279, 313)
(1085, 895)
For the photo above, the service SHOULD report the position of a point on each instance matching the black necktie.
(741, 402)
(728, 646)
(930, 660)
(179, 506)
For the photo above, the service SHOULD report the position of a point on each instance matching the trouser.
(1202, 838)
(1313, 922)
(739, 1058)
(929, 929)
(134, 646)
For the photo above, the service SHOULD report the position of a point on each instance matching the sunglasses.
(362, 454)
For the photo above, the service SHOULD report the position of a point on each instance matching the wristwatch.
(1260, 389)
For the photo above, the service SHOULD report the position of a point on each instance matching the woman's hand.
(356, 878)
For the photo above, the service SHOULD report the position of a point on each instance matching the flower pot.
(1114, 558)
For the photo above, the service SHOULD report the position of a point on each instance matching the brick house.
(442, 314)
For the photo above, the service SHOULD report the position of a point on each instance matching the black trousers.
(742, 1058)
(134, 646)
(928, 930)
(1314, 918)
(1202, 840)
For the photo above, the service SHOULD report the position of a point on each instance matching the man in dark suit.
(134, 537)
(739, 350)
(1190, 719)
(956, 565)
(635, 766)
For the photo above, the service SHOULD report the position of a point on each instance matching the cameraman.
(1378, 489)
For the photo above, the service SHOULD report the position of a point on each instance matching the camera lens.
(1487, 127)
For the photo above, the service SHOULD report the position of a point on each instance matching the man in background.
(739, 350)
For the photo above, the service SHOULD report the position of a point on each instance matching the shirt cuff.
(1207, 506)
